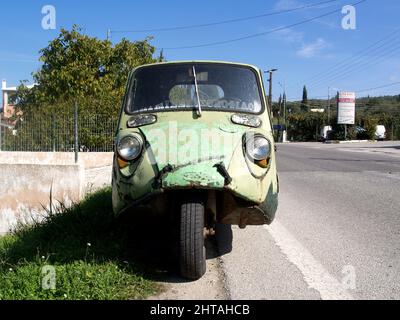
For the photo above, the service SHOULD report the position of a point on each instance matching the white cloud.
(312, 49)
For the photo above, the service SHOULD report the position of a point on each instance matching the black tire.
(192, 249)
(224, 238)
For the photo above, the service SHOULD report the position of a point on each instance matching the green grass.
(89, 249)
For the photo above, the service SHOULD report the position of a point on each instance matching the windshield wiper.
(197, 92)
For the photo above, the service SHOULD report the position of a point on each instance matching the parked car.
(325, 133)
(195, 143)
(361, 133)
(380, 133)
(359, 130)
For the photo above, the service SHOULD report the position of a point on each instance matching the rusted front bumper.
(236, 205)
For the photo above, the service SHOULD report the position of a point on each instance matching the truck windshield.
(173, 87)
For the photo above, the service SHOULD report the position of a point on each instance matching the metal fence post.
(76, 140)
(53, 130)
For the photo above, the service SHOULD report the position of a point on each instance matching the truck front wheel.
(192, 248)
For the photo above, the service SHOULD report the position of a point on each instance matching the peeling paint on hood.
(189, 141)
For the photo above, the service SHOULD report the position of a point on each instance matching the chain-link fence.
(57, 133)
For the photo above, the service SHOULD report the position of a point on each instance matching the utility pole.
(108, 34)
(329, 106)
(283, 87)
(270, 90)
(284, 101)
(271, 71)
(284, 107)
(280, 109)
(284, 115)
(279, 117)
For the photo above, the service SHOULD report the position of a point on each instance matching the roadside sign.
(346, 108)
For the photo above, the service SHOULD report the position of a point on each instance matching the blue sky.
(306, 54)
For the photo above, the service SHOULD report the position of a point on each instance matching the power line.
(298, 99)
(357, 91)
(373, 60)
(361, 61)
(210, 44)
(227, 21)
(345, 61)
(351, 66)
(380, 87)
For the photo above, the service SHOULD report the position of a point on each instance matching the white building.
(7, 109)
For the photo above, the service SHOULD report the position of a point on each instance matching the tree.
(80, 68)
(276, 108)
(84, 69)
(280, 105)
(302, 126)
(161, 58)
(304, 101)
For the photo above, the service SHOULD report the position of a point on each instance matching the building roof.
(15, 88)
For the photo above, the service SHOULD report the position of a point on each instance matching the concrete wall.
(97, 178)
(86, 159)
(28, 178)
(26, 189)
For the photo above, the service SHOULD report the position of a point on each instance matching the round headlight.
(129, 148)
(258, 148)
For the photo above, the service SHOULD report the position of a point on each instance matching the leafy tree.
(370, 124)
(90, 71)
(78, 67)
(305, 126)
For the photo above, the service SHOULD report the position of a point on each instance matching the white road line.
(315, 275)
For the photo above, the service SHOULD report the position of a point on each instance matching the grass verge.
(87, 248)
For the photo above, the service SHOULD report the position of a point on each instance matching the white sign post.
(346, 109)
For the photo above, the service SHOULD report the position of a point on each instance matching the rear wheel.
(192, 249)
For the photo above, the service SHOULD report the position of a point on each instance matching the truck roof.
(199, 61)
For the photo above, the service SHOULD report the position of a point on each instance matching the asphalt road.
(337, 232)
